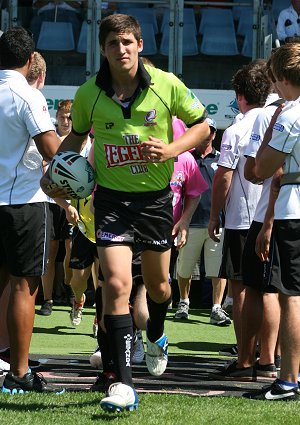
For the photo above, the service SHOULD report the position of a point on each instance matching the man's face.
(121, 51)
(64, 123)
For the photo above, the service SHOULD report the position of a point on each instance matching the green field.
(54, 335)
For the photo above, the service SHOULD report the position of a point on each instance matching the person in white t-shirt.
(23, 211)
(235, 194)
(283, 150)
(288, 24)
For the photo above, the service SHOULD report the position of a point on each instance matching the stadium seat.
(130, 5)
(82, 42)
(247, 44)
(236, 10)
(219, 42)
(245, 21)
(56, 36)
(188, 18)
(143, 15)
(189, 41)
(150, 47)
(215, 17)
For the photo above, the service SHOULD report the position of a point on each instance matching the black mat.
(185, 375)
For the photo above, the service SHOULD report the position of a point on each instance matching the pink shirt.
(186, 181)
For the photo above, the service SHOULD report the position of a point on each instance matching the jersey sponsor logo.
(131, 139)
(149, 118)
(278, 127)
(117, 156)
(107, 236)
(162, 242)
(109, 125)
(255, 137)
(138, 169)
(227, 147)
(128, 339)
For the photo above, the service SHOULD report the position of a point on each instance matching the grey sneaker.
(138, 352)
(182, 312)
(219, 317)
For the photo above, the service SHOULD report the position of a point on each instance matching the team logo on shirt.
(226, 147)
(196, 103)
(149, 118)
(178, 181)
(278, 127)
(255, 137)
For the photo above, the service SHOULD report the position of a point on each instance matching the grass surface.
(55, 335)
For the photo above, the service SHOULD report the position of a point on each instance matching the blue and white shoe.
(157, 355)
(120, 397)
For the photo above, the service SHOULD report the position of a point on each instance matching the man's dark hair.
(119, 23)
(252, 82)
(16, 46)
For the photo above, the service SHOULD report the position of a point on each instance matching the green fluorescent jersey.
(119, 131)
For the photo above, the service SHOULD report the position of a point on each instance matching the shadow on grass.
(198, 346)
(58, 330)
(43, 406)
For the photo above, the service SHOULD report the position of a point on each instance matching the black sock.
(119, 333)
(157, 315)
(106, 356)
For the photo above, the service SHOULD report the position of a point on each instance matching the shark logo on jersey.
(255, 137)
(278, 127)
(150, 117)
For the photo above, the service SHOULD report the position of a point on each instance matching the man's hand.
(52, 189)
(262, 245)
(214, 229)
(155, 150)
(180, 231)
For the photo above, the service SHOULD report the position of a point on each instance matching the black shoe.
(229, 351)
(232, 373)
(275, 392)
(266, 370)
(277, 361)
(46, 308)
(31, 382)
(103, 381)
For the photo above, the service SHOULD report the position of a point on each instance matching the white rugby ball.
(73, 172)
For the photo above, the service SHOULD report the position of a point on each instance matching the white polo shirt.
(243, 196)
(286, 138)
(23, 115)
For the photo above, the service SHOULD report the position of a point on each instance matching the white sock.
(185, 300)
(216, 306)
(228, 300)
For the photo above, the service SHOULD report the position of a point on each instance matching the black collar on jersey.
(103, 79)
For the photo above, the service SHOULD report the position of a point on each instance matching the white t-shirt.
(243, 196)
(286, 138)
(259, 128)
(24, 114)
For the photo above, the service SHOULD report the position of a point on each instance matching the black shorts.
(233, 246)
(257, 274)
(24, 238)
(142, 220)
(61, 229)
(83, 251)
(287, 236)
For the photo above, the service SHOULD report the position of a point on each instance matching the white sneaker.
(120, 397)
(4, 367)
(95, 359)
(138, 352)
(76, 312)
(157, 355)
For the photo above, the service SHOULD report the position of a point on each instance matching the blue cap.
(212, 123)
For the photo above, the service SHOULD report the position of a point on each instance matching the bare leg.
(48, 278)
(67, 270)
(270, 328)
(4, 299)
(290, 337)
(156, 278)
(238, 294)
(79, 282)
(184, 285)
(219, 286)
(140, 309)
(20, 319)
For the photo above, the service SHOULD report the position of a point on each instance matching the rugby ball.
(73, 172)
